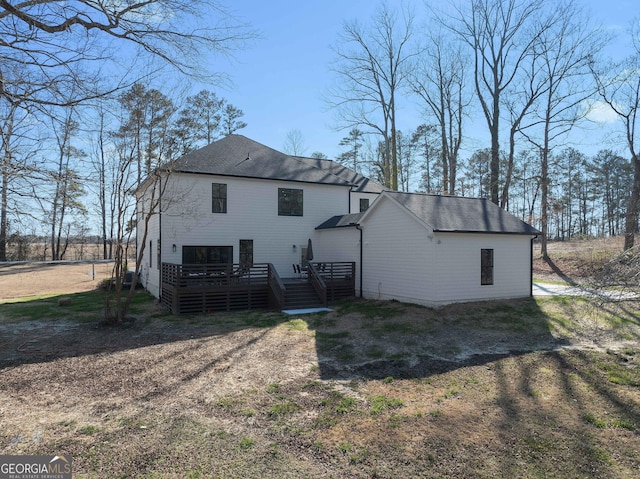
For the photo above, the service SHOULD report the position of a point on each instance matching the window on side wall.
(486, 266)
(219, 198)
(290, 202)
(364, 204)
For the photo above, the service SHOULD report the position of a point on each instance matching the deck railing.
(339, 278)
(317, 282)
(197, 288)
(194, 288)
(277, 289)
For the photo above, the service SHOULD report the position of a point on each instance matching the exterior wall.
(338, 244)
(396, 252)
(149, 269)
(252, 214)
(354, 207)
(405, 261)
(456, 265)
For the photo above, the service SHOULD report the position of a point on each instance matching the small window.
(150, 253)
(486, 266)
(289, 202)
(219, 198)
(159, 252)
(364, 204)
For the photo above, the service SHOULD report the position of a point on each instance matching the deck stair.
(301, 295)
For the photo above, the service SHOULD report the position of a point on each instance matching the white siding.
(252, 214)
(355, 200)
(406, 261)
(149, 272)
(402, 258)
(338, 245)
(456, 266)
(397, 250)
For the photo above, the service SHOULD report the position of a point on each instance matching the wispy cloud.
(600, 112)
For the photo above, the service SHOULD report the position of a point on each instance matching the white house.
(239, 202)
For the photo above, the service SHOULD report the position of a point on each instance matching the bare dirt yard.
(544, 387)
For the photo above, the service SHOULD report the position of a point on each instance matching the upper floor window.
(289, 202)
(364, 204)
(219, 198)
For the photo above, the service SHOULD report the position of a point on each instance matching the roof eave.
(521, 233)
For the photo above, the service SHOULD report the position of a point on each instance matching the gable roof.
(239, 156)
(461, 215)
(452, 214)
(362, 183)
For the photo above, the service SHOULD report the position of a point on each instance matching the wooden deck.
(227, 287)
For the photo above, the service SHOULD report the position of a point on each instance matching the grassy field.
(534, 388)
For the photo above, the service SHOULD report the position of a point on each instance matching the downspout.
(359, 228)
(159, 246)
(531, 267)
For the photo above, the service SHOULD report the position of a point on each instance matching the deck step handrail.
(317, 282)
(277, 288)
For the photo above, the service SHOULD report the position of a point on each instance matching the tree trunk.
(634, 205)
(544, 201)
(494, 172)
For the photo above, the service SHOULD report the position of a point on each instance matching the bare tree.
(66, 185)
(294, 143)
(500, 36)
(56, 53)
(67, 45)
(439, 80)
(563, 50)
(619, 87)
(18, 147)
(372, 65)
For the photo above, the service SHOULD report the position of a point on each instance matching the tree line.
(130, 135)
(530, 72)
(81, 127)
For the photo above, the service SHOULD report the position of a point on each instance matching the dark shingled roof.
(341, 221)
(459, 214)
(239, 156)
(363, 184)
(447, 214)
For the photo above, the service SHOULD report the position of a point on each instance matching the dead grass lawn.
(527, 389)
(501, 390)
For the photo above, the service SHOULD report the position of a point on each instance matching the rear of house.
(238, 203)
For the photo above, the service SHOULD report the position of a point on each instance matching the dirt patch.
(47, 278)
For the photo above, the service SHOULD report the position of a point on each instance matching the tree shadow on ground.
(554, 267)
(48, 329)
(375, 340)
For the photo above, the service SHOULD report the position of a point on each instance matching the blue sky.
(280, 79)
